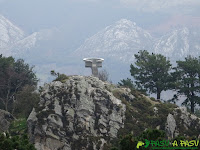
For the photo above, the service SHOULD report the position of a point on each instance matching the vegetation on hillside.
(18, 96)
(15, 76)
(153, 72)
(130, 141)
(59, 77)
(17, 142)
(143, 112)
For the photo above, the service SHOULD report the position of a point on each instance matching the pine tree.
(187, 83)
(151, 72)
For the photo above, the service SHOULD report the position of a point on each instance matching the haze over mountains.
(117, 44)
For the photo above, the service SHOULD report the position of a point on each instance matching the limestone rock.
(170, 126)
(78, 114)
(181, 121)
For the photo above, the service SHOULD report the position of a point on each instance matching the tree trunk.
(192, 102)
(158, 92)
(192, 106)
(158, 95)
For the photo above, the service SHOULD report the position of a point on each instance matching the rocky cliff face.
(84, 113)
(77, 114)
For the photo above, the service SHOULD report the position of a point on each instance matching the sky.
(89, 16)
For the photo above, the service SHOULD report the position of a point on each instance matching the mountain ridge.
(122, 37)
(9, 34)
(116, 43)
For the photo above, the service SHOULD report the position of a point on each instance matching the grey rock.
(155, 110)
(170, 126)
(81, 110)
(185, 119)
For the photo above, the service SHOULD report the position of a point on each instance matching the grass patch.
(18, 126)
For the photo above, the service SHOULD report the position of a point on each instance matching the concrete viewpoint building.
(94, 64)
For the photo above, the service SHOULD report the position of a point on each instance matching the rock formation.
(77, 114)
(182, 120)
(85, 113)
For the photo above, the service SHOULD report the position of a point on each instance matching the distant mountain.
(37, 48)
(9, 34)
(119, 41)
(49, 49)
(26, 45)
(123, 39)
(13, 40)
(179, 43)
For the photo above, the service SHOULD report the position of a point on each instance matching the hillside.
(93, 113)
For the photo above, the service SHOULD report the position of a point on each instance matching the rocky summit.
(77, 114)
(85, 113)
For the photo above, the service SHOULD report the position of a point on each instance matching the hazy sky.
(92, 15)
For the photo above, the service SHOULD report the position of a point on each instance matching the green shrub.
(18, 126)
(15, 142)
(59, 77)
(62, 78)
(26, 100)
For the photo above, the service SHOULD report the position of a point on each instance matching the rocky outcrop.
(182, 122)
(79, 113)
(171, 126)
(5, 120)
(85, 113)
